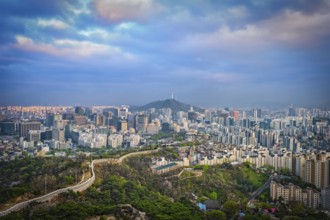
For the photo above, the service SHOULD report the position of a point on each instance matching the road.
(82, 186)
(261, 189)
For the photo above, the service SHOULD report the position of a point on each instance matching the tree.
(215, 215)
(213, 195)
(231, 208)
(285, 171)
(297, 208)
(291, 218)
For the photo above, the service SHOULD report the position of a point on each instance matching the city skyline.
(210, 54)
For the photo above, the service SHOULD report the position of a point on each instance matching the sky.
(210, 53)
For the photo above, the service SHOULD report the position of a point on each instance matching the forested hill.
(173, 104)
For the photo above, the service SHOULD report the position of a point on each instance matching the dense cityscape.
(165, 110)
(289, 141)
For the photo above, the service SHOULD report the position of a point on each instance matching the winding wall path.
(77, 188)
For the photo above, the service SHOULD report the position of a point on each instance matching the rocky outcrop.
(127, 211)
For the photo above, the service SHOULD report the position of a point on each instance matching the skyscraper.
(291, 111)
(50, 117)
(142, 123)
(25, 127)
(79, 110)
(122, 125)
(58, 134)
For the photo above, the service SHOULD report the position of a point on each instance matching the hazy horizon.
(209, 53)
(272, 107)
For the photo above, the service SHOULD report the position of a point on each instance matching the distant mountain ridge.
(173, 104)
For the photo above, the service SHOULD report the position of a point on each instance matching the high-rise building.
(79, 110)
(34, 136)
(122, 125)
(7, 127)
(166, 127)
(58, 134)
(310, 171)
(80, 120)
(46, 135)
(309, 197)
(59, 124)
(291, 111)
(123, 113)
(317, 172)
(25, 127)
(325, 197)
(235, 115)
(192, 116)
(142, 123)
(256, 113)
(50, 117)
(100, 120)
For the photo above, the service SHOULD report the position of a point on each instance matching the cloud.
(288, 28)
(125, 26)
(80, 9)
(208, 76)
(54, 23)
(126, 10)
(70, 48)
(99, 33)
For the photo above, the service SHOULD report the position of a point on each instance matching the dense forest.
(130, 190)
(31, 177)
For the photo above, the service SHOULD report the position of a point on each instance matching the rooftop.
(166, 166)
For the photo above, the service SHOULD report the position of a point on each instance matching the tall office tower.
(256, 113)
(136, 119)
(130, 121)
(79, 110)
(243, 114)
(122, 125)
(192, 115)
(291, 111)
(50, 117)
(7, 127)
(235, 115)
(24, 127)
(142, 123)
(207, 113)
(99, 120)
(59, 124)
(229, 121)
(123, 112)
(88, 112)
(58, 134)
(246, 123)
